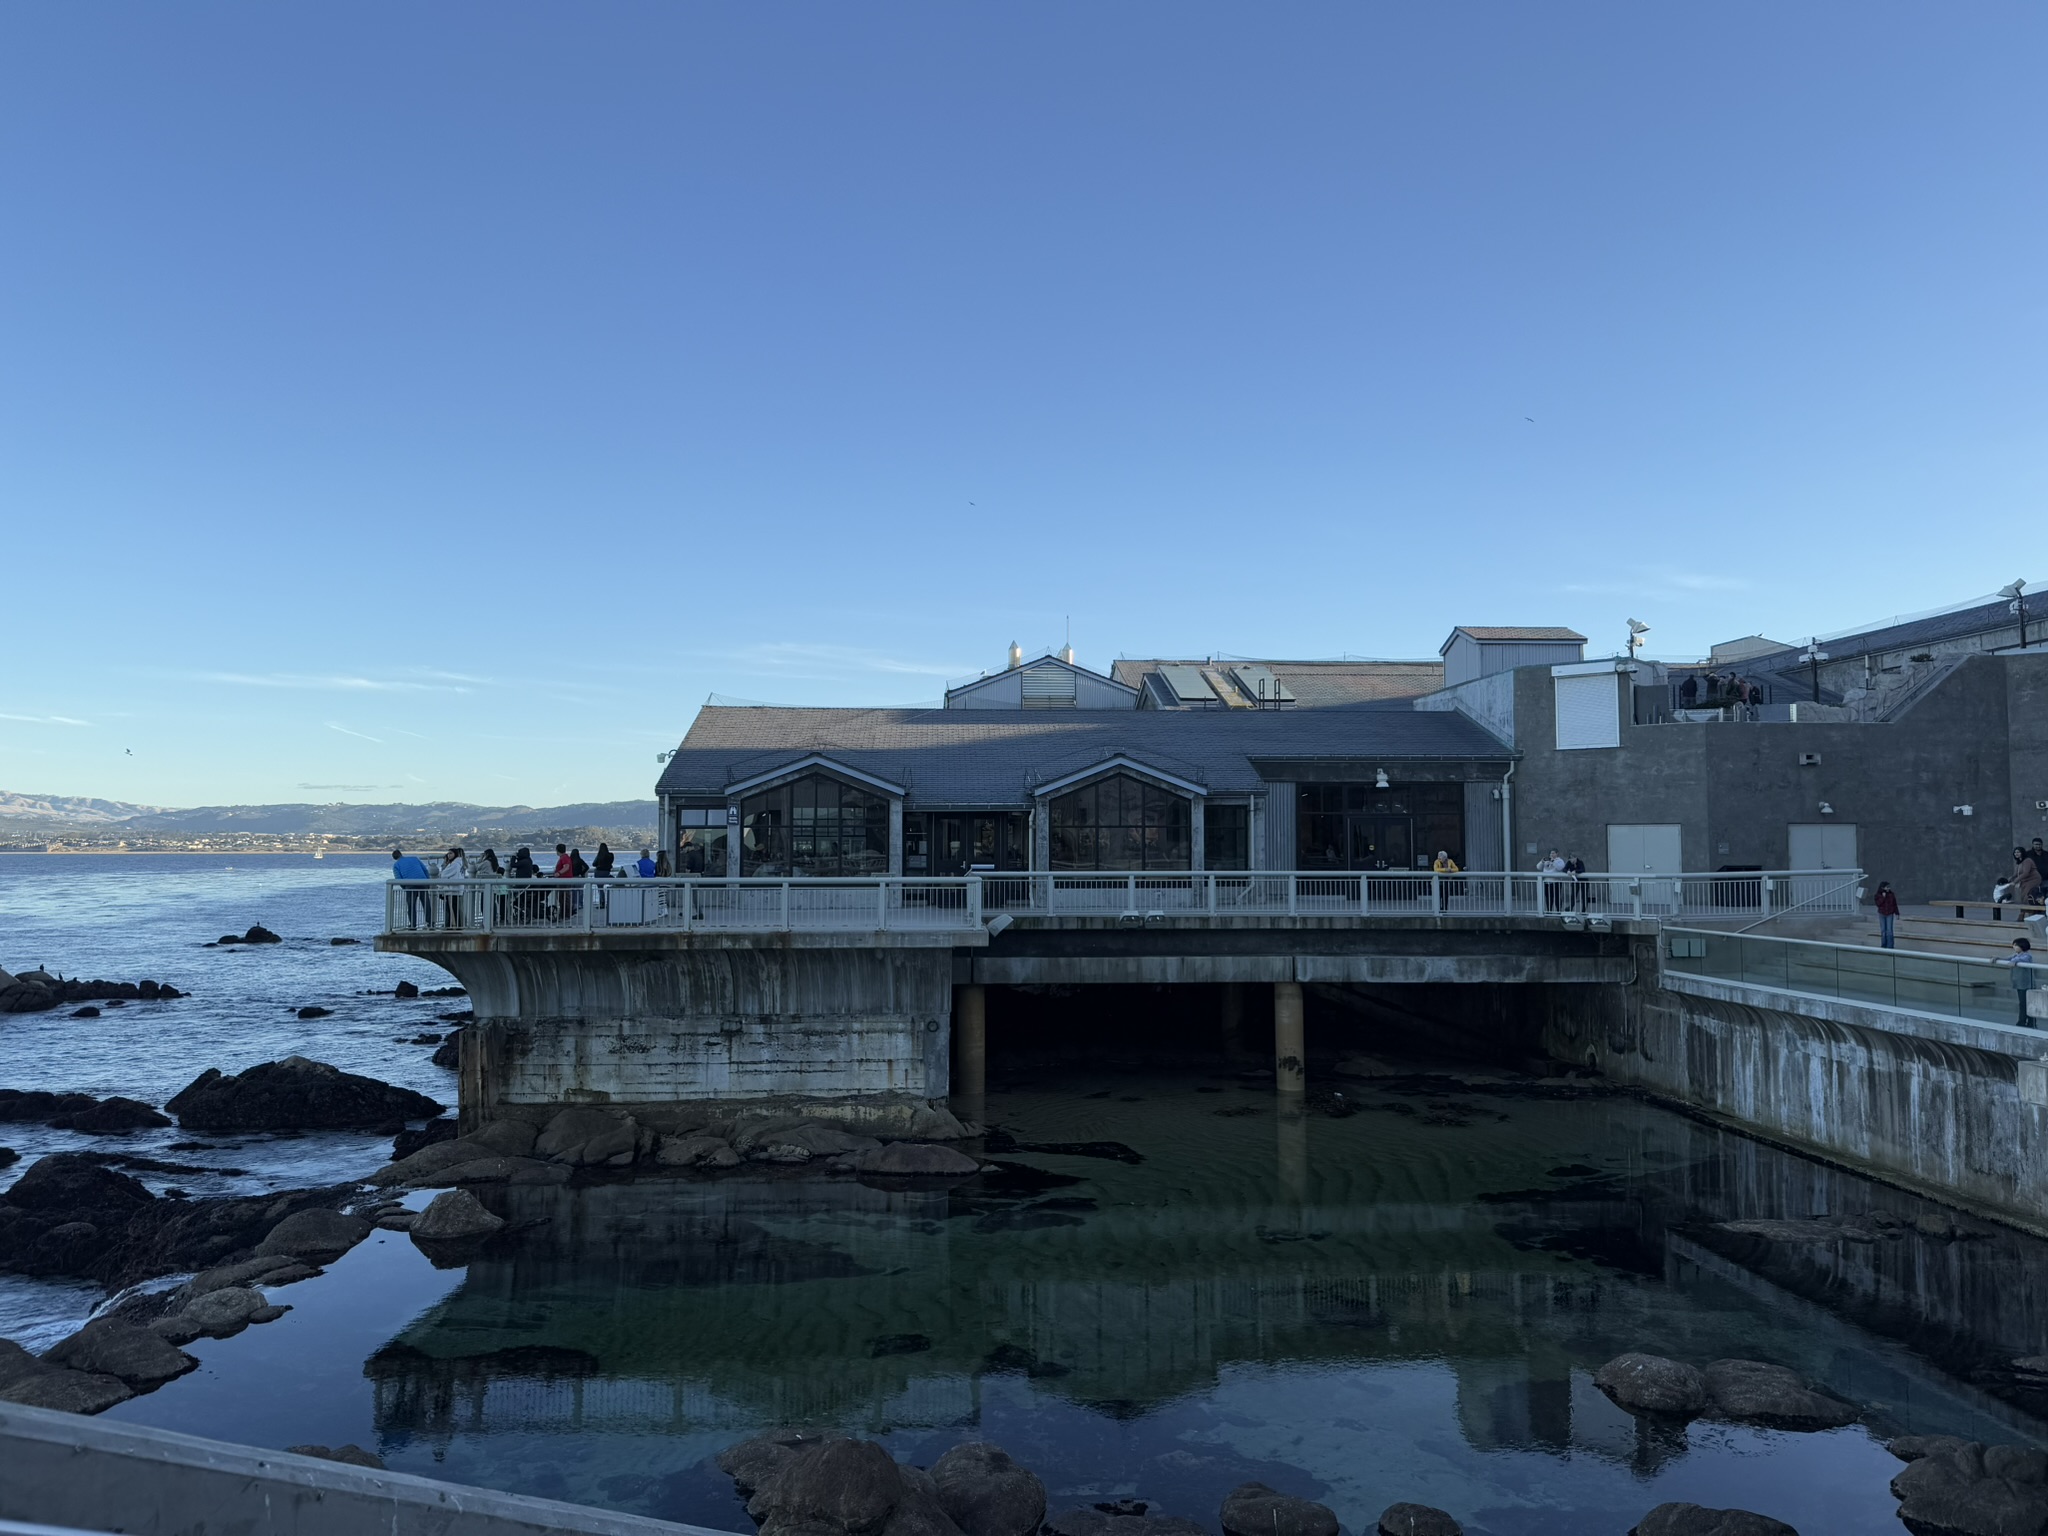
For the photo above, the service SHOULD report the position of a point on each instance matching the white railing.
(962, 902)
(1400, 893)
(684, 905)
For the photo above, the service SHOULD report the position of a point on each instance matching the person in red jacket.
(1887, 913)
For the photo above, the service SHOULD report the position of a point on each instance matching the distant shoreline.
(207, 853)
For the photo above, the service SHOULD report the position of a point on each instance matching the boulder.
(39, 1384)
(433, 1133)
(405, 989)
(507, 1138)
(319, 1236)
(935, 1122)
(448, 1053)
(8, 1156)
(455, 1217)
(1913, 1447)
(1253, 1509)
(800, 1143)
(985, 1493)
(270, 1269)
(352, 1455)
(1652, 1384)
(696, 1152)
(909, 1159)
(849, 1484)
(112, 1115)
(295, 1095)
(258, 934)
(87, 1012)
(314, 1011)
(1416, 1520)
(1695, 1520)
(751, 1463)
(1974, 1490)
(1773, 1396)
(72, 1184)
(590, 1138)
(109, 1346)
(494, 1170)
(218, 1314)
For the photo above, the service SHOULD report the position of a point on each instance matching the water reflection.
(1362, 1309)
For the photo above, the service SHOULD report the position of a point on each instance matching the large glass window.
(1227, 836)
(953, 843)
(815, 826)
(1356, 826)
(1120, 822)
(700, 840)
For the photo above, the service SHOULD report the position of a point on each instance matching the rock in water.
(432, 1133)
(1974, 1490)
(314, 1011)
(70, 1184)
(752, 1462)
(219, 1314)
(986, 1493)
(851, 1484)
(107, 1346)
(39, 1384)
(258, 934)
(907, 1159)
(1773, 1396)
(112, 1116)
(1652, 1384)
(587, 1138)
(405, 989)
(1695, 1520)
(455, 1217)
(1417, 1520)
(1253, 1509)
(696, 1152)
(295, 1095)
(352, 1455)
(449, 1052)
(318, 1236)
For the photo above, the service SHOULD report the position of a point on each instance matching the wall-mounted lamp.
(1826, 809)
(1379, 780)
(1965, 810)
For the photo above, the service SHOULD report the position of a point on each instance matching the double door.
(1382, 842)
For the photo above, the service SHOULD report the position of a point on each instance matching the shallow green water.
(1402, 1303)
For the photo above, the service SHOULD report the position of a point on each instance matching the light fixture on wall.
(1826, 809)
(1379, 780)
(2016, 589)
(1636, 630)
(1964, 810)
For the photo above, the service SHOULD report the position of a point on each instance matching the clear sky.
(409, 402)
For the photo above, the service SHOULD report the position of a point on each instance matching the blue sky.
(414, 402)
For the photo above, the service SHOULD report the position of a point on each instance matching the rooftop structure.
(1243, 683)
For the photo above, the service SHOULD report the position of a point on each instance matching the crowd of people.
(443, 906)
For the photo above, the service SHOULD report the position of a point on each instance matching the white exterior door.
(1821, 845)
(1636, 849)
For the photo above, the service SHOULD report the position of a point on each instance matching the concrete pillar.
(1233, 1019)
(1291, 1161)
(1289, 1075)
(970, 1042)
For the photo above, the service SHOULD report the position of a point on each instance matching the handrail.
(1772, 917)
(961, 902)
(1948, 986)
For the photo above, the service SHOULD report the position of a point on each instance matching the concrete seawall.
(1951, 1109)
(65, 1470)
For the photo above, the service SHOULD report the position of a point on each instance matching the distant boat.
(319, 853)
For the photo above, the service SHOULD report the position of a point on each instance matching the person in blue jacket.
(405, 867)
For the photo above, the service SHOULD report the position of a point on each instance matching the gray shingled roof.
(1315, 684)
(969, 757)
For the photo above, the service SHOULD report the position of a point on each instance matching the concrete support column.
(1289, 1075)
(970, 1042)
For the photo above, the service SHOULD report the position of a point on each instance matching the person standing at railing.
(406, 869)
(661, 865)
(1887, 902)
(1445, 865)
(525, 905)
(488, 868)
(2023, 973)
(1548, 870)
(646, 868)
(453, 867)
(602, 867)
(1580, 892)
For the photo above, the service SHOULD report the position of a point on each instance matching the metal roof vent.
(1016, 656)
(1067, 653)
(1048, 688)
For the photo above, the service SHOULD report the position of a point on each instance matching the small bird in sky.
(129, 750)
(1528, 418)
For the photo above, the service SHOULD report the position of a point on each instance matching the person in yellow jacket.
(1444, 864)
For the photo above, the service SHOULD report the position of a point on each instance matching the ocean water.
(1169, 1285)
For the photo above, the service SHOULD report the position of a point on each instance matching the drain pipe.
(1507, 820)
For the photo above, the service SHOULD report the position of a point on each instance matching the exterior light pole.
(2016, 589)
(1813, 658)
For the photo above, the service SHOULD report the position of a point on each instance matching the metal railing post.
(1293, 893)
(1130, 893)
(785, 905)
(974, 900)
(1210, 881)
(881, 905)
(1635, 898)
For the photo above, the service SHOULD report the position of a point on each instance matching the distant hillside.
(24, 816)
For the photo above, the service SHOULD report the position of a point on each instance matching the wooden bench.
(1995, 908)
